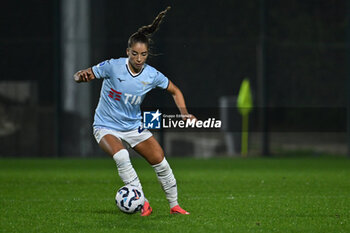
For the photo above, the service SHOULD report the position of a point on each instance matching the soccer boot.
(146, 209)
(178, 210)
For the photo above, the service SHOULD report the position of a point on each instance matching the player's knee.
(111, 144)
(158, 158)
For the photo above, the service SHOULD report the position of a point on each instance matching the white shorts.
(132, 137)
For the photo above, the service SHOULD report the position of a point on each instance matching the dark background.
(206, 48)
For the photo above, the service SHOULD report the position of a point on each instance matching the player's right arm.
(84, 75)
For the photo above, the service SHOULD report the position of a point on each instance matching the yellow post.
(245, 105)
(245, 127)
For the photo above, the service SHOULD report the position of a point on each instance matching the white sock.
(125, 169)
(167, 180)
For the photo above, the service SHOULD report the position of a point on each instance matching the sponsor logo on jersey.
(116, 95)
(128, 98)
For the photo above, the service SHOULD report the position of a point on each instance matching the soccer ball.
(130, 199)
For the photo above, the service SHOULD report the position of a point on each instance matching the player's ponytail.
(145, 33)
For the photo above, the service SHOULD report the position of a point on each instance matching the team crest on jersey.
(145, 83)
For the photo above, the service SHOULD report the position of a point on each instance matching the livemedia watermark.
(157, 120)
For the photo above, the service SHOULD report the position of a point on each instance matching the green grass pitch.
(223, 195)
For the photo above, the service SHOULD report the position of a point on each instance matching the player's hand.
(83, 76)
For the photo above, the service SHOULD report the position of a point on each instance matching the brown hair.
(145, 33)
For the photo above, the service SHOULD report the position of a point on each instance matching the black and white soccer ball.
(130, 199)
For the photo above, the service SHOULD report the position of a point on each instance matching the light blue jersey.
(122, 93)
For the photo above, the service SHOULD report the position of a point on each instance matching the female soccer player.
(118, 116)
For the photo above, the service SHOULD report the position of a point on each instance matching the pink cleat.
(178, 210)
(146, 209)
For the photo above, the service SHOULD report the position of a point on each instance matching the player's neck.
(133, 70)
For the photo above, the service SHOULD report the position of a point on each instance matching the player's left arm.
(84, 75)
(179, 100)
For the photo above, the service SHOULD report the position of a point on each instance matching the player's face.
(137, 54)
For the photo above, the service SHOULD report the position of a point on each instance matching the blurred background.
(294, 54)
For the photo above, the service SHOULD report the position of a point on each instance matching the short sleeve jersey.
(122, 93)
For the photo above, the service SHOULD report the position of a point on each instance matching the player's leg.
(110, 144)
(153, 153)
(114, 147)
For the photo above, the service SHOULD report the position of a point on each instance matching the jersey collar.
(127, 67)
